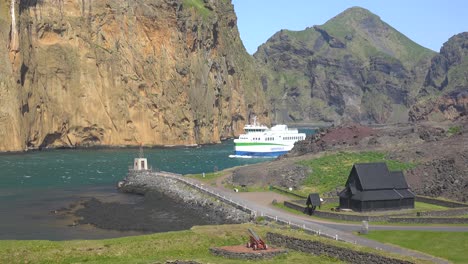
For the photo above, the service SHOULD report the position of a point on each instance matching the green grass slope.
(355, 67)
(186, 245)
(448, 245)
(372, 36)
(331, 171)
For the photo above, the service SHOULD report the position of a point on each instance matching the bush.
(454, 130)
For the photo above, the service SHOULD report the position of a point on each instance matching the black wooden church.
(371, 186)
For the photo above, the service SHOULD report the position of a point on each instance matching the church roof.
(376, 176)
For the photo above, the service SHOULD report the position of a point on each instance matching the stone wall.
(287, 192)
(349, 217)
(450, 212)
(426, 217)
(255, 255)
(295, 206)
(339, 216)
(428, 220)
(319, 248)
(435, 201)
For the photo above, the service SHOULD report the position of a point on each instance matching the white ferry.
(259, 140)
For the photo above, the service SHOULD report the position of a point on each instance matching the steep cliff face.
(355, 67)
(445, 91)
(84, 72)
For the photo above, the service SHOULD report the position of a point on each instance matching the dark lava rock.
(331, 138)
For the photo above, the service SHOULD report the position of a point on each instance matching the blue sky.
(429, 23)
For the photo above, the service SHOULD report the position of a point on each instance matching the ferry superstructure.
(259, 140)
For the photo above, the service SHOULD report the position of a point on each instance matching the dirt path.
(263, 198)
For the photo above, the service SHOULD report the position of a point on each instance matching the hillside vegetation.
(356, 67)
(331, 171)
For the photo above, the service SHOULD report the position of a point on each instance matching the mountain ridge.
(355, 67)
(175, 72)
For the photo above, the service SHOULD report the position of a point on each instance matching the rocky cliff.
(445, 91)
(355, 67)
(83, 72)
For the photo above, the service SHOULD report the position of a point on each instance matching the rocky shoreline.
(191, 207)
(146, 182)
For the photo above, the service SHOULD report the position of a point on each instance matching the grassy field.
(448, 245)
(331, 171)
(186, 245)
(206, 177)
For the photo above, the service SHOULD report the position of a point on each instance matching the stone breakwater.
(146, 182)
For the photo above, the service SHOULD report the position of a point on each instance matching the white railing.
(275, 218)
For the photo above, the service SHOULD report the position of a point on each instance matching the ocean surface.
(35, 184)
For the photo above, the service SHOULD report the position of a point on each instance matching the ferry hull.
(261, 150)
(260, 154)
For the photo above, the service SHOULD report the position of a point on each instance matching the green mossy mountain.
(355, 67)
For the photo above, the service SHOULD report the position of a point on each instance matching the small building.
(313, 200)
(140, 164)
(371, 186)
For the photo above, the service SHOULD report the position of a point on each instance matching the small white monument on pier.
(140, 163)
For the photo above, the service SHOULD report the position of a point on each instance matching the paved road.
(332, 230)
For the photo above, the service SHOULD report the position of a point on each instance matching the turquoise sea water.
(36, 183)
(94, 167)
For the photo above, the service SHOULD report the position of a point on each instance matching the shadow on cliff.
(25, 4)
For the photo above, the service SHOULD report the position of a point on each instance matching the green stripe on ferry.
(258, 144)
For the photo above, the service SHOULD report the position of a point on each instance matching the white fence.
(229, 200)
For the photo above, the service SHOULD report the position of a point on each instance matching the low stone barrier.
(449, 212)
(254, 255)
(435, 201)
(319, 248)
(287, 192)
(425, 217)
(428, 220)
(349, 217)
(338, 216)
(295, 206)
